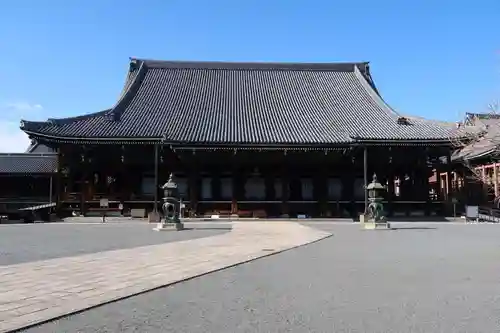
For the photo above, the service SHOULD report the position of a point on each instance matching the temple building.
(252, 139)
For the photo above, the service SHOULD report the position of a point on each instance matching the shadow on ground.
(413, 228)
(208, 228)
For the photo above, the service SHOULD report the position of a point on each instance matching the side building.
(253, 139)
(477, 179)
(28, 183)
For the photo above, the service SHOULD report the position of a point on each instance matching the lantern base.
(371, 224)
(154, 217)
(376, 225)
(169, 226)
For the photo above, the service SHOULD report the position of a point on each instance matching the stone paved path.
(39, 291)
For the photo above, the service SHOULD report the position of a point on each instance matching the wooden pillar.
(285, 193)
(483, 182)
(83, 183)
(449, 188)
(365, 176)
(437, 186)
(193, 180)
(427, 187)
(465, 185)
(124, 184)
(237, 182)
(285, 188)
(69, 162)
(322, 182)
(90, 169)
(59, 182)
(390, 184)
(156, 161)
(403, 193)
(390, 193)
(495, 178)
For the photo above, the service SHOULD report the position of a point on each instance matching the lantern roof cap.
(170, 182)
(375, 185)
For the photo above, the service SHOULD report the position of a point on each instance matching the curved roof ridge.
(126, 95)
(130, 88)
(182, 64)
(129, 77)
(370, 89)
(35, 125)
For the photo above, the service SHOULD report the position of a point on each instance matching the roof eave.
(472, 157)
(32, 126)
(434, 141)
(27, 174)
(28, 155)
(198, 145)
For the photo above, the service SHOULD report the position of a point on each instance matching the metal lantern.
(171, 202)
(375, 209)
(375, 190)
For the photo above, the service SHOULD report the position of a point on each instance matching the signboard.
(104, 203)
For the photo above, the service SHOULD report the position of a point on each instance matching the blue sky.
(435, 59)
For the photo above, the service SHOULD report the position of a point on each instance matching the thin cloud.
(23, 107)
(12, 139)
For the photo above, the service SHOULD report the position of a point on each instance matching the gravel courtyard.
(420, 278)
(30, 242)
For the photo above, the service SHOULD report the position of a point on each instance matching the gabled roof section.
(28, 163)
(485, 137)
(37, 147)
(243, 103)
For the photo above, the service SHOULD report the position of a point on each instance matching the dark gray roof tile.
(484, 133)
(27, 163)
(246, 103)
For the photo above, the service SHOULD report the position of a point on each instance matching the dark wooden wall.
(117, 173)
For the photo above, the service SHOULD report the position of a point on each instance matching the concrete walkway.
(35, 292)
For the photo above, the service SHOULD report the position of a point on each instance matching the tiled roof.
(485, 135)
(246, 103)
(27, 163)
